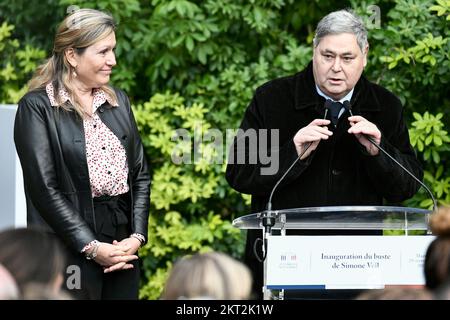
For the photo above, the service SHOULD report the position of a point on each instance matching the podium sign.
(340, 262)
(345, 262)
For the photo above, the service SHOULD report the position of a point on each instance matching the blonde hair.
(210, 275)
(79, 30)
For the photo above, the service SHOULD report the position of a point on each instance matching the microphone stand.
(349, 108)
(268, 219)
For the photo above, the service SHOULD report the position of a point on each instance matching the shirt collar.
(348, 96)
(100, 97)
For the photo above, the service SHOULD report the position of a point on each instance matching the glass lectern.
(345, 262)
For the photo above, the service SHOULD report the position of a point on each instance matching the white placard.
(345, 262)
(13, 211)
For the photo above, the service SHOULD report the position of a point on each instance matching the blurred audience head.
(396, 293)
(437, 258)
(39, 291)
(8, 287)
(32, 256)
(210, 275)
(443, 291)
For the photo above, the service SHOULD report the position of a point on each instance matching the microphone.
(327, 107)
(268, 221)
(348, 107)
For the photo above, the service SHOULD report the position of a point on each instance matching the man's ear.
(71, 57)
(365, 53)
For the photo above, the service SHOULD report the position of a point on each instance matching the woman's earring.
(74, 72)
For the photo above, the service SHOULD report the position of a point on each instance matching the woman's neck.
(84, 95)
(82, 90)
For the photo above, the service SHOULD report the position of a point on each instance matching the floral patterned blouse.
(106, 157)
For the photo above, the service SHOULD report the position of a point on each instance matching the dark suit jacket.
(51, 147)
(339, 172)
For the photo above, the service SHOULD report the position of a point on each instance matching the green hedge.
(194, 65)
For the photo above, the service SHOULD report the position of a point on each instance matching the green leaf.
(201, 54)
(436, 157)
(417, 116)
(420, 145)
(426, 203)
(189, 43)
(392, 65)
(437, 140)
(439, 171)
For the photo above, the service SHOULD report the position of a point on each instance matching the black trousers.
(112, 223)
(257, 269)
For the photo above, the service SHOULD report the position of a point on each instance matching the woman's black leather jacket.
(51, 146)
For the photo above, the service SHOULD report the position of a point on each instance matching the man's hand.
(312, 133)
(359, 126)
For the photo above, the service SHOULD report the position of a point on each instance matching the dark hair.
(437, 262)
(31, 256)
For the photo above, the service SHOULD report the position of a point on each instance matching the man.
(338, 165)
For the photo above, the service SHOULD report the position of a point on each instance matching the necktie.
(335, 110)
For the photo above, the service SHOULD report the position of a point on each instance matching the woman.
(84, 168)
